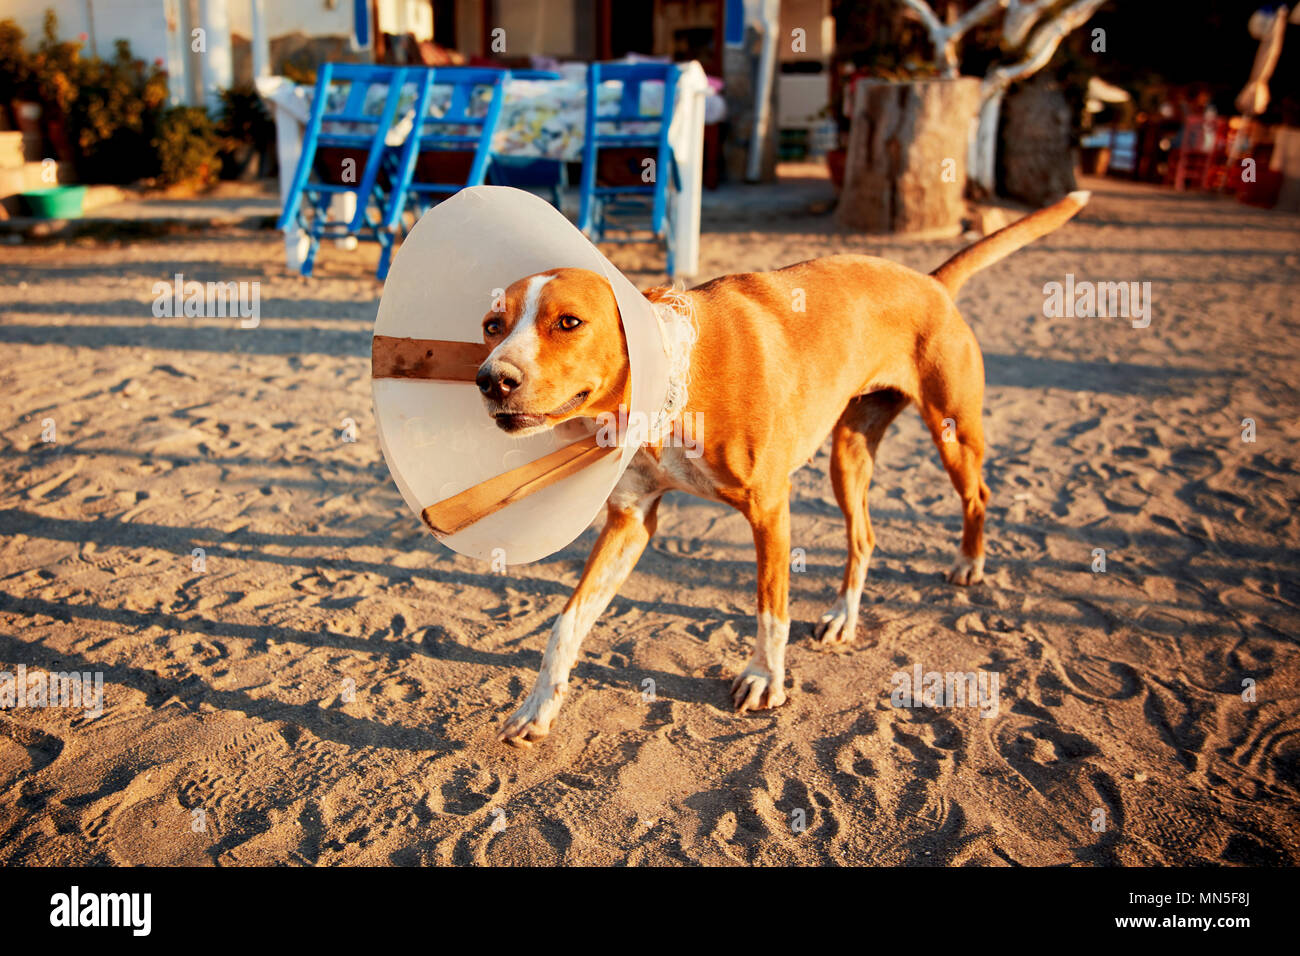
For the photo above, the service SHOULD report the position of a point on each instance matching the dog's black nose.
(498, 380)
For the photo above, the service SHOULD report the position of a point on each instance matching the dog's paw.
(967, 571)
(834, 628)
(532, 721)
(757, 689)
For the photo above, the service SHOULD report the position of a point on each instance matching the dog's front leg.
(628, 527)
(762, 683)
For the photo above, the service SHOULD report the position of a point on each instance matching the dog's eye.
(569, 322)
(492, 327)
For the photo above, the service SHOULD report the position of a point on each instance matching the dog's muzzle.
(497, 379)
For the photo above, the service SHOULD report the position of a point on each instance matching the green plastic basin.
(57, 202)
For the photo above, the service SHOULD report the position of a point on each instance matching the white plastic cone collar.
(437, 437)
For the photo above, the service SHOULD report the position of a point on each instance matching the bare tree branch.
(1021, 17)
(1042, 45)
(946, 38)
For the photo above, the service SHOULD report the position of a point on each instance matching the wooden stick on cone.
(393, 356)
(458, 512)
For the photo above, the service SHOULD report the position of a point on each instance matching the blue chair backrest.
(474, 95)
(456, 109)
(633, 77)
(358, 118)
(609, 128)
(362, 115)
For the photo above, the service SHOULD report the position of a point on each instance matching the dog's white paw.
(835, 626)
(532, 721)
(967, 571)
(757, 689)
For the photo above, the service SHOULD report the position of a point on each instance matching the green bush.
(187, 144)
(114, 112)
(103, 114)
(56, 69)
(115, 117)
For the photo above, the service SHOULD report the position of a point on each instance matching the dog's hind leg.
(854, 441)
(963, 459)
(953, 411)
(629, 525)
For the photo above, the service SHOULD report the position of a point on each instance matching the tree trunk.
(1036, 159)
(906, 167)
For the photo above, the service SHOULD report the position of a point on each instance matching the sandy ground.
(1121, 692)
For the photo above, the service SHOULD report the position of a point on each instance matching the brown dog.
(834, 346)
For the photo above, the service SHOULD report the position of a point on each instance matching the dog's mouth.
(521, 421)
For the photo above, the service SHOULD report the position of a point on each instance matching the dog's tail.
(1007, 240)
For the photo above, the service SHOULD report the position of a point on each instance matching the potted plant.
(117, 110)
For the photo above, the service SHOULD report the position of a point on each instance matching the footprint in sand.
(24, 751)
(513, 607)
(679, 547)
(1048, 758)
(469, 789)
(1102, 679)
(806, 814)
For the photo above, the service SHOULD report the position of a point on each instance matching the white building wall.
(142, 22)
(319, 18)
(194, 76)
(310, 17)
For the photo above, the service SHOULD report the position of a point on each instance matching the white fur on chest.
(674, 471)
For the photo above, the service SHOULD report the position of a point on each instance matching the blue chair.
(464, 123)
(351, 115)
(624, 206)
